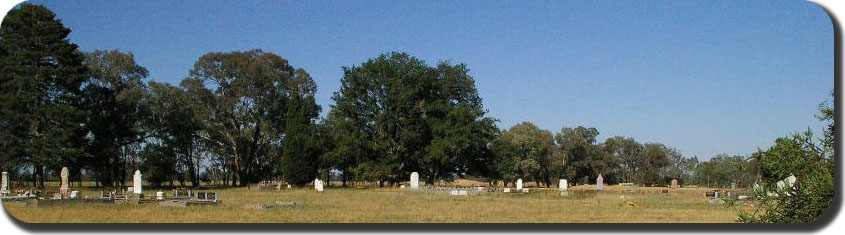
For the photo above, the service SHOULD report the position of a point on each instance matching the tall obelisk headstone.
(64, 189)
(136, 182)
(5, 189)
(600, 183)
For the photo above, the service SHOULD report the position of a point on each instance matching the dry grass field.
(394, 205)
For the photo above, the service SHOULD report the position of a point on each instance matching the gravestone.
(733, 186)
(136, 183)
(600, 183)
(318, 185)
(74, 194)
(674, 185)
(159, 195)
(415, 180)
(64, 189)
(790, 180)
(519, 185)
(562, 185)
(507, 190)
(5, 189)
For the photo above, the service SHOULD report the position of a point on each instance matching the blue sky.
(706, 77)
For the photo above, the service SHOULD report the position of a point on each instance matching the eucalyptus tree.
(534, 149)
(249, 91)
(115, 96)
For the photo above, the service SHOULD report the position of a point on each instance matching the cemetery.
(412, 201)
(66, 196)
(580, 127)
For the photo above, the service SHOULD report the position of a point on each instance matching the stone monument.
(519, 185)
(600, 183)
(674, 185)
(5, 189)
(318, 185)
(415, 180)
(64, 189)
(136, 183)
(562, 185)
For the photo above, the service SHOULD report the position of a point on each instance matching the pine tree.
(301, 156)
(41, 75)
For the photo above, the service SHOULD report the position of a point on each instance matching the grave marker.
(519, 185)
(674, 185)
(562, 185)
(318, 185)
(136, 183)
(64, 188)
(600, 183)
(415, 180)
(5, 189)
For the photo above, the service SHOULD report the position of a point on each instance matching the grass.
(394, 205)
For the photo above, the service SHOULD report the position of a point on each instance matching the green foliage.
(722, 170)
(799, 155)
(245, 107)
(533, 148)
(115, 96)
(401, 115)
(301, 155)
(812, 193)
(41, 115)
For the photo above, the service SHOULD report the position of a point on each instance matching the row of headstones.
(64, 189)
(415, 183)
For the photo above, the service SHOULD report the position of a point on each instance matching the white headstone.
(74, 194)
(5, 189)
(790, 180)
(415, 180)
(600, 183)
(64, 189)
(159, 195)
(519, 185)
(507, 190)
(787, 183)
(402, 186)
(136, 183)
(562, 185)
(318, 185)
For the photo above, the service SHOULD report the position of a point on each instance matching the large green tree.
(535, 149)
(247, 111)
(115, 98)
(405, 116)
(41, 79)
(585, 159)
(302, 148)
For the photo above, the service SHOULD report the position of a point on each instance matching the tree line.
(246, 116)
